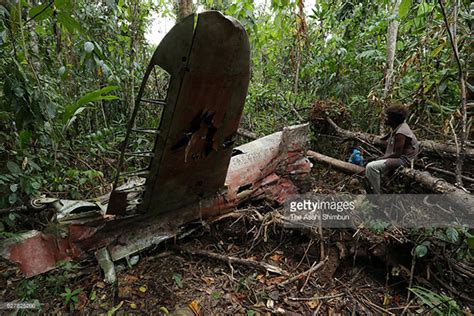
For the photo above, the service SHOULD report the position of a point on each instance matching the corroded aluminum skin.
(210, 69)
(266, 168)
(193, 175)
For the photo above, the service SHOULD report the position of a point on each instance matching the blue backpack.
(356, 157)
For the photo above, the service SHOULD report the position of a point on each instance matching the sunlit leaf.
(404, 8)
(13, 188)
(97, 95)
(40, 12)
(71, 25)
(12, 198)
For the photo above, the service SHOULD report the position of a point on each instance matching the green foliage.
(70, 297)
(378, 226)
(18, 183)
(65, 93)
(72, 111)
(405, 6)
(454, 240)
(178, 280)
(28, 288)
(421, 250)
(438, 304)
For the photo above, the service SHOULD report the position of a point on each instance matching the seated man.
(402, 146)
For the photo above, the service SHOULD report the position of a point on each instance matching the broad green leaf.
(61, 71)
(424, 8)
(13, 167)
(93, 295)
(76, 291)
(34, 165)
(40, 12)
(61, 3)
(421, 251)
(72, 110)
(95, 95)
(73, 117)
(12, 198)
(35, 185)
(69, 22)
(452, 234)
(25, 137)
(108, 97)
(404, 8)
(13, 187)
(51, 110)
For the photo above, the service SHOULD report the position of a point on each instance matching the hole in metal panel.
(236, 152)
(243, 188)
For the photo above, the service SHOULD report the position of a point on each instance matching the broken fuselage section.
(194, 172)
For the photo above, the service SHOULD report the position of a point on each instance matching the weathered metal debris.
(266, 168)
(194, 173)
(209, 64)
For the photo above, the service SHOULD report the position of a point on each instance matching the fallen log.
(338, 164)
(449, 173)
(434, 184)
(427, 146)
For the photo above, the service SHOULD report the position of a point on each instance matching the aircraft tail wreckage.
(194, 171)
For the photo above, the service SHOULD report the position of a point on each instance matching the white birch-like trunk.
(185, 8)
(392, 33)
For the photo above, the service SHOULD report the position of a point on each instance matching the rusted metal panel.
(262, 169)
(193, 174)
(197, 132)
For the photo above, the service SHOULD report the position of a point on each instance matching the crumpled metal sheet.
(195, 173)
(263, 169)
(209, 64)
(200, 120)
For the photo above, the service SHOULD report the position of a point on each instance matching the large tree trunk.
(391, 48)
(185, 8)
(461, 149)
(428, 146)
(470, 81)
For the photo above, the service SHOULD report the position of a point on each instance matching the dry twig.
(234, 260)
